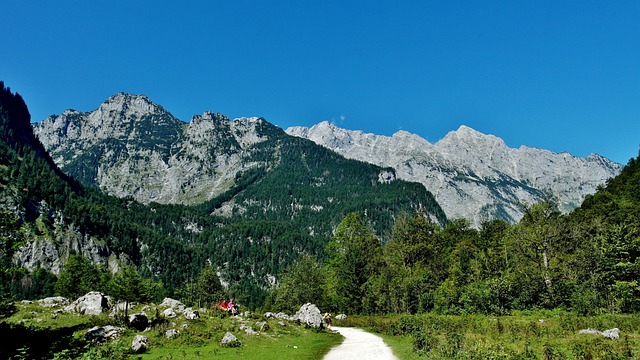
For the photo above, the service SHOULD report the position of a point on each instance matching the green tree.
(78, 277)
(302, 282)
(127, 285)
(355, 257)
(619, 267)
(412, 259)
(463, 266)
(209, 290)
(537, 252)
(9, 237)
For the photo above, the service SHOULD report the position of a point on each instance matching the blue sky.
(559, 75)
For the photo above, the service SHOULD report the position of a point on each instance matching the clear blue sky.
(559, 75)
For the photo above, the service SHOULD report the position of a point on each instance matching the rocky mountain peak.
(473, 175)
(130, 104)
(470, 139)
(210, 116)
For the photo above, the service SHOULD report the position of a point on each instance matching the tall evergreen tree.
(127, 285)
(78, 277)
(355, 256)
(302, 282)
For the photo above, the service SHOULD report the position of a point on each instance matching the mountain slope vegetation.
(284, 202)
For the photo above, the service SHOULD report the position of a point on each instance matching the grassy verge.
(37, 332)
(200, 341)
(524, 335)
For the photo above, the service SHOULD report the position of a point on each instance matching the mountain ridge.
(284, 198)
(471, 174)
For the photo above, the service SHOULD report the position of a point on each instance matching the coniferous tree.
(355, 257)
(8, 237)
(127, 285)
(303, 282)
(208, 288)
(78, 277)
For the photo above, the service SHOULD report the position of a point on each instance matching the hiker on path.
(327, 319)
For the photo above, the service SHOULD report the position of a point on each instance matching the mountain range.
(130, 146)
(139, 187)
(473, 175)
(241, 196)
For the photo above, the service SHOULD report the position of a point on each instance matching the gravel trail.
(359, 345)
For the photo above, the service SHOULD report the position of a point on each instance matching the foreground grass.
(306, 345)
(200, 341)
(524, 335)
(35, 332)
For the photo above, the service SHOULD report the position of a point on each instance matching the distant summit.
(246, 167)
(131, 146)
(471, 174)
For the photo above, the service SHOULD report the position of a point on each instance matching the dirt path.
(359, 345)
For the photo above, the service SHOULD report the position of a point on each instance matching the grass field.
(524, 335)
(36, 332)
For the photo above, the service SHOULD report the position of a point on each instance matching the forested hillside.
(586, 261)
(371, 244)
(277, 210)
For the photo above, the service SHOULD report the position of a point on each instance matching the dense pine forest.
(374, 250)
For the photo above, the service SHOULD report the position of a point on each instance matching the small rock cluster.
(96, 303)
(613, 334)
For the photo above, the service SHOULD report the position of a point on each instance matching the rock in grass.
(248, 329)
(262, 325)
(173, 304)
(101, 334)
(139, 344)
(229, 340)
(612, 334)
(171, 333)
(341, 317)
(308, 314)
(191, 314)
(53, 301)
(169, 313)
(92, 303)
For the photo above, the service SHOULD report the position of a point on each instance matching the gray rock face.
(171, 333)
(184, 163)
(262, 325)
(613, 334)
(51, 252)
(173, 304)
(139, 344)
(473, 175)
(53, 301)
(92, 303)
(308, 314)
(169, 313)
(103, 333)
(191, 314)
(229, 340)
